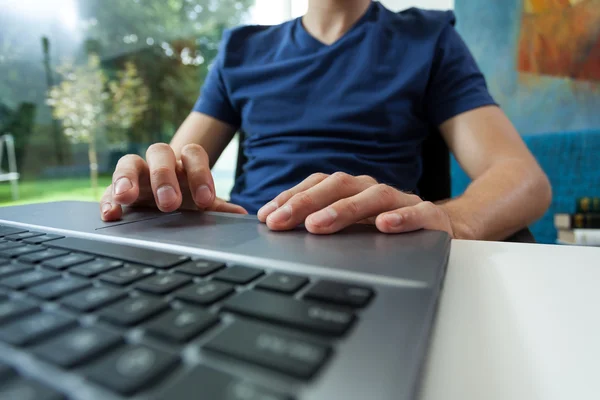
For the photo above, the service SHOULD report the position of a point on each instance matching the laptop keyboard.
(123, 317)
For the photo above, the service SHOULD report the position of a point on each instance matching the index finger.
(284, 196)
(162, 165)
(197, 169)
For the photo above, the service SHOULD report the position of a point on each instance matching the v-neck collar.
(305, 39)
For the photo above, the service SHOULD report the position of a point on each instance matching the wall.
(535, 102)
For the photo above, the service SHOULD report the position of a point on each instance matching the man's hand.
(329, 203)
(163, 181)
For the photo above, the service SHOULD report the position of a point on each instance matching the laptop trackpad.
(196, 229)
(360, 248)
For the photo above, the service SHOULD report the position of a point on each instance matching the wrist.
(462, 227)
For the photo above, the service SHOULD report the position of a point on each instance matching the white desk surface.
(517, 321)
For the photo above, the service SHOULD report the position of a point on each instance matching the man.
(335, 107)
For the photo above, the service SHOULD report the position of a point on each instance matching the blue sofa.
(572, 162)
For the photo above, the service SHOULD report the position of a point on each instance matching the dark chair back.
(435, 182)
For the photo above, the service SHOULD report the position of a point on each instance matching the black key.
(182, 325)
(205, 293)
(162, 284)
(77, 346)
(22, 235)
(42, 255)
(216, 385)
(239, 275)
(10, 245)
(271, 347)
(67, 261)
(131, 368)
(133, 310)
(200, 267)
(6, 372)
(340, 293)
(94, 298)
(59, 288)
(96, 267)
(14, 268)
(34, 327)
(292, 312)
(42, 239)
(132, 254)
(7, 231)
(25, 389)
(284, 283)
(15, 308)
(127, 274)
(19, 251)
(28, 279)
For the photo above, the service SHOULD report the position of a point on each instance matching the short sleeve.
(214, 99)
(456, 84)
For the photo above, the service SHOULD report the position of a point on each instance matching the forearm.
(506, 198)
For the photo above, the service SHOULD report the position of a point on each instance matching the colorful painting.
(561, 38)
(541, 59)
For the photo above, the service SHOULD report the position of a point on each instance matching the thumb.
(221, 205)
(424, 215)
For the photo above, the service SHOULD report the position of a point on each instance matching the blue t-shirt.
(362, 105)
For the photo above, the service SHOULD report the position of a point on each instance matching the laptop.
(192, 305)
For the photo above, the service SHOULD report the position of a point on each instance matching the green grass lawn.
(38, 191)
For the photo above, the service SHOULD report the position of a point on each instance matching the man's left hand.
(329, 203)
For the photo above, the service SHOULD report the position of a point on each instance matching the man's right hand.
(164, 182)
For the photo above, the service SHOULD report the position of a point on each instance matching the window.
(84, 82)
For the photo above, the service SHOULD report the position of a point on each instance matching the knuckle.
(416, 199)
(287, 193)
(366, 179)
(438, 212)
(193, 149)
(157, 148)
(351, 206)
(199, 170)
(283, 197)
(386, 194)
(342, 178)
(161, 173)
(302, 199)
(428, 208)
(318, 176)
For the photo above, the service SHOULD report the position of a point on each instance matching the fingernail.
(203, 195)
(281, 215)
(268, 208)
(106, 207)
(393, 219)
(122, 185)
(166, 195)
(324, 217)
